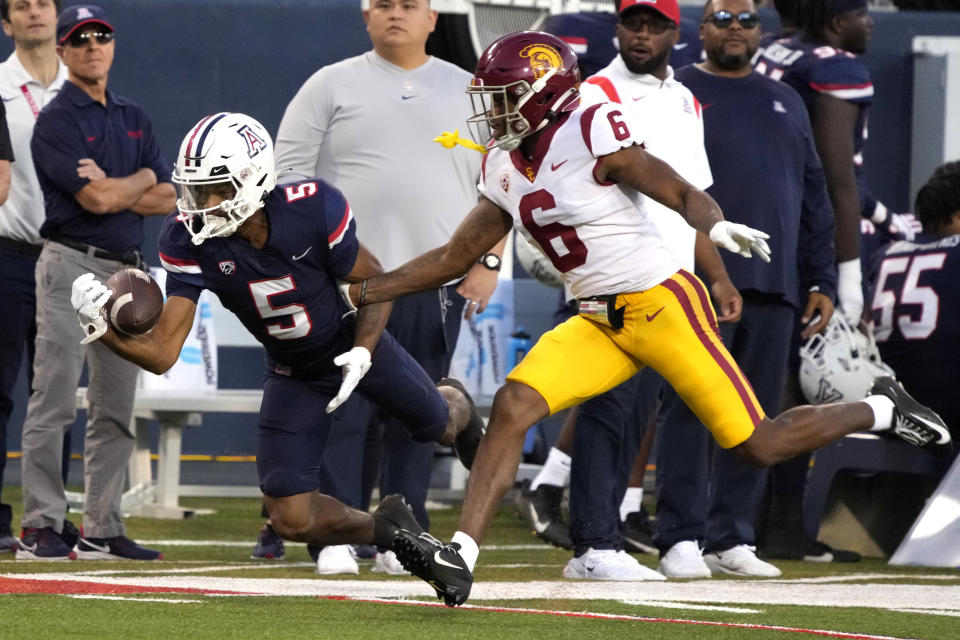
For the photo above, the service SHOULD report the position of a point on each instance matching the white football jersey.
(598, 235)
(672, 130)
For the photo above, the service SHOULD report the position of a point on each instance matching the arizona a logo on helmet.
(255, 142)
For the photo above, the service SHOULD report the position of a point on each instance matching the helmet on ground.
(224, 173)
(522, 80)
(840, 364)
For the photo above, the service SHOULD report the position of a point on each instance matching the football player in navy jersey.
(821, 63)
(274, 255)
(917, 296)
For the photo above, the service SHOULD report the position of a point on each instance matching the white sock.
(555, 471)
(468, 549)
(631, 501)
(882, 412)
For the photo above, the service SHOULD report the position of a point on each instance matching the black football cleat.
(913, 422)
(438, 564)
(467, 442)
(541, 509)
(637, 532)
(395, 510)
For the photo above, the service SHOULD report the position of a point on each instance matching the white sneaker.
(386, 562)
(740, 560)
(335, 559)
(684, 560)
(608, 564)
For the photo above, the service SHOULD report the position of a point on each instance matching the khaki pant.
(58, 365)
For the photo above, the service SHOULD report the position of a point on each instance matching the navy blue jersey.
(118, 136)
(813, 70)
(915, 307)
(777, 188)
(285, 293)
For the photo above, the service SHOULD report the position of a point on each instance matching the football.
(136, 303)
(536, 264)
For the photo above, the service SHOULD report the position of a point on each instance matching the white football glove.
(355, 364)
(740, 239)
(850, 291)
(88, 297)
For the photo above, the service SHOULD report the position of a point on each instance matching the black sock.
(383, 531)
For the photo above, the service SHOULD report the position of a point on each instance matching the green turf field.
(207, 587)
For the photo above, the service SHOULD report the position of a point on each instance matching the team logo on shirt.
(228, 267)
(543, 57)
(255, 143)
(505, 182)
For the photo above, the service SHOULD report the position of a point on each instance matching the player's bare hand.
(740, 239)
(354, 364)
(729, 303)
(477, 288)
(817, 314)
(88, 168)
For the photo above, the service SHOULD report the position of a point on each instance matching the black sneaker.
(637, 532)
(115, 548)
(438, 564)
(822, 552)
(395, 510)
(542, 511)
(912, 421)
(43, 544)
(467, 442)
(70, 534)
(269, 545)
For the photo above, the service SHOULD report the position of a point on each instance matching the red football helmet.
(522, 81)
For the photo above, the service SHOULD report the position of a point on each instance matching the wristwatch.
(490, 261)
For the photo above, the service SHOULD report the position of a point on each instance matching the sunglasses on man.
(82, 39)
(655, 25)
(723, 19)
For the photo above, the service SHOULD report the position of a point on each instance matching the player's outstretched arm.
(653, 177)
(157, 350)
(483, 227)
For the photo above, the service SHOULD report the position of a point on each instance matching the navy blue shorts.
(294, 424)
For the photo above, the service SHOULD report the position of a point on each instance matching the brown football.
(136, 303)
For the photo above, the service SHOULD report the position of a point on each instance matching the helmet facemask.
(502, 107)
(224, 175)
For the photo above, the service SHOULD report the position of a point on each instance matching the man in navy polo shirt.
(100, 170)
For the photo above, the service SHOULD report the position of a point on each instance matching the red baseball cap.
(667, 8)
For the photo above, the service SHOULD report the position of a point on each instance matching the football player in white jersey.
(570, 179)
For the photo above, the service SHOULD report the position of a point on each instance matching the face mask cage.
(217, 220)
(491, 112)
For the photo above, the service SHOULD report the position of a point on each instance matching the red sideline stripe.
(606, 86)
(611, 616)
(340, 228)
(733, 374)
(10, 585)
(177, 261)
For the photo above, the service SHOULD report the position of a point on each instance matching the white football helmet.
(229, 155)
(535, 263)
(840, 364)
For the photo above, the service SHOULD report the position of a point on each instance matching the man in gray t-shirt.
(366, 125)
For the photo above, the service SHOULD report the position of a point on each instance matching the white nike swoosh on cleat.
(439, 560)
(538, 525)
(96, 547)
